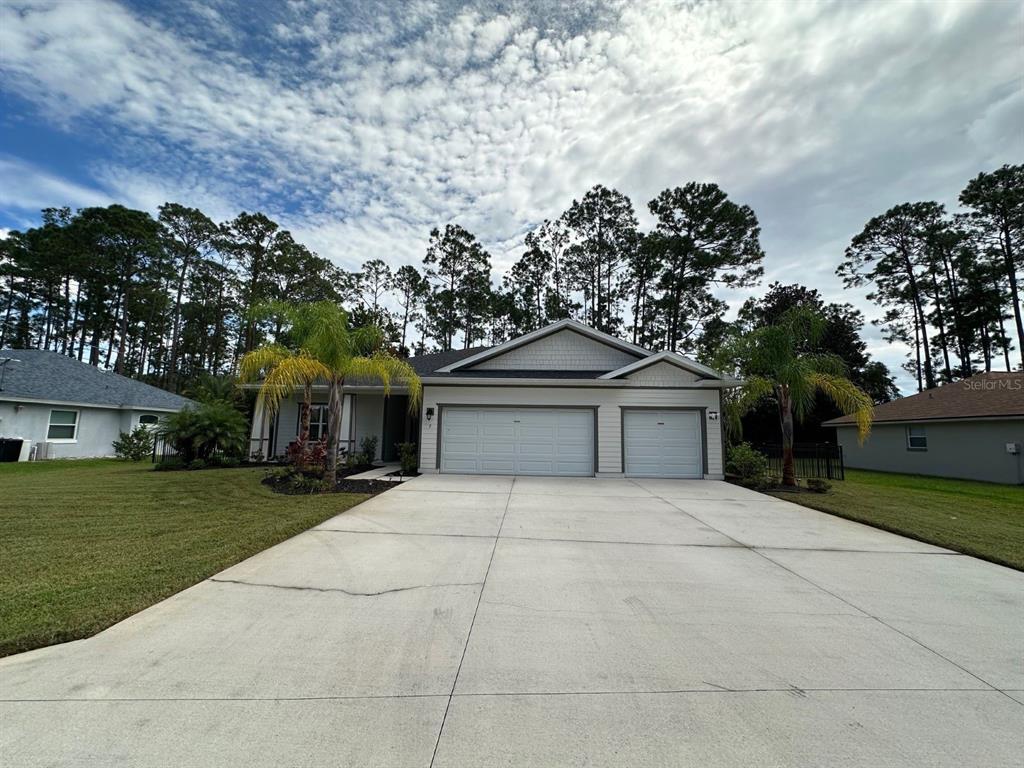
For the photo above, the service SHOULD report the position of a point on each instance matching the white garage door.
(662, 443)
(517, 441)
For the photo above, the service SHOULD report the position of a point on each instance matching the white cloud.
(25, 187)
(364, 131)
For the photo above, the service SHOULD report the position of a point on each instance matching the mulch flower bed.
(303, 485)
(363, 486)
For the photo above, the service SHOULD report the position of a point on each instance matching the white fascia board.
(935, 420)
(101, 406)
(673, 358)
(547, 330)
(441, 381)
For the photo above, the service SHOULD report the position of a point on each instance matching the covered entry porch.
(366, 412)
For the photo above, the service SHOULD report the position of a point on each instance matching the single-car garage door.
(517, 441)
(662, 443)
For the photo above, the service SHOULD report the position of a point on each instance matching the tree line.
(171, 297)
(949, 284)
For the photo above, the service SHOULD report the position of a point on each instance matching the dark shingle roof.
(425, 365)
(43, 375)
(986, 395)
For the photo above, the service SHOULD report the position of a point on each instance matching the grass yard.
(83, 544)
(980, 519)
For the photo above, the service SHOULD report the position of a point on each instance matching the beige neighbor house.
(971, 429)
(563, 400)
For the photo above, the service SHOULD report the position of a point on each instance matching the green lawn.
(980, 519)
(83, 544)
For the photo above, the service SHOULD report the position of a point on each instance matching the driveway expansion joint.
(758, 551)
(472, 622)
(346, 591)
(886, 624)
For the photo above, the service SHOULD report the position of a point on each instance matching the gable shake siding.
(608, 401)
(661, 375)
(564, 350)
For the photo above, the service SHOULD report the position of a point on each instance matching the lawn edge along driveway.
(983, 520)
(87, 543)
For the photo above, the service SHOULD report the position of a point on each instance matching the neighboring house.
(972, 429)
(563, 400)
(64, 408)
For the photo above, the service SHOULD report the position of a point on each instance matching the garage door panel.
(662, 444)
(540, 441)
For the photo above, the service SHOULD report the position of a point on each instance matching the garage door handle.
(661, 423)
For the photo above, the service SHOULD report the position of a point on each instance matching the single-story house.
(971, 429)
(62, 408)
(563, 400)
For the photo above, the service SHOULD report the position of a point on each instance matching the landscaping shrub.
(408, 458)
(288, 480)
(136, 445)
(307, 456)
(368, 449)
(819, 485)
(207, 429)
(749, 466)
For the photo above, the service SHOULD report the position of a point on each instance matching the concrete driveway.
(485, 621)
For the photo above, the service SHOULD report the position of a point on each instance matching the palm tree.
(282, 371)
(348, 353)
(777, 361)
(328, 351)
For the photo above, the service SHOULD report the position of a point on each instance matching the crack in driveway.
(346, 591)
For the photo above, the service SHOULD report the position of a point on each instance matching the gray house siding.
(971, 450)
(565, 350)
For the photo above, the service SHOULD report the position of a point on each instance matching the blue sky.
(362, 125)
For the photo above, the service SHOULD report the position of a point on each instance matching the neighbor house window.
(148, 419)
(917, 440)
(317, 422)
(63, 425)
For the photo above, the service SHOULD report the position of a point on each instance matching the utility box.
(1013, 448)
(11, 448)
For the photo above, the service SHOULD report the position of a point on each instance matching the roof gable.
(662, 374)
(564, 345)
(662, 360)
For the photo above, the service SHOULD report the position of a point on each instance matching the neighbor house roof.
(987, 395)
(35, 375)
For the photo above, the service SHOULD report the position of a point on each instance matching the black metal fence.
(824, 460)
(162, 450)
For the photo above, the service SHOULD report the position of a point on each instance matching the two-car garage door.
(517, 441)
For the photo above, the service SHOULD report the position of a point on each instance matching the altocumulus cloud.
(362, 126)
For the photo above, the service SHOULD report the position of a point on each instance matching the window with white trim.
(917, 438)
(317, 422)
(63, 426)
(149, 419)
